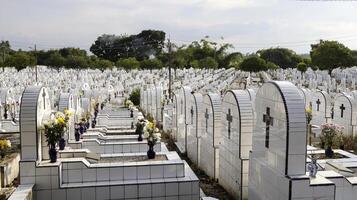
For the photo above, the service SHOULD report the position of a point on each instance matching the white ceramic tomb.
(321, 108)
(277, 168)
(237, 128)
(211, 134)
(182, 117)
(345, 113)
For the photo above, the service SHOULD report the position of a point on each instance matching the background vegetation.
(149, 50)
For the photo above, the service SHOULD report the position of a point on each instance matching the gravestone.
(237, 127)
(211, 134)
(278, 157)
(321, 108)
(182, 117)
(66, 102)
(345, 114)
(195, 105)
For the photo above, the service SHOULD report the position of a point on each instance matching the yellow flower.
(61, 120)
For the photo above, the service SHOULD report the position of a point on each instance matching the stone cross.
(268, 122)
(318, 102)
(229, 119)
(192, 112)
(207, 117)
(342, 108)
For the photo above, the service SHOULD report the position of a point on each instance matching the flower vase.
(329, 152)
(131, 113)
(151, 153)
(140, 138)
(77, 135)
(81, 129)
(53, 154)
(62, 144)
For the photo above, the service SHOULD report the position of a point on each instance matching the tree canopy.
(284, 58)
(328, 55)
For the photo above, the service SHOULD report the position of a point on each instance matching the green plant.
(54, 129)
(135, 97)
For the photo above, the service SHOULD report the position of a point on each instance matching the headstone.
(237, 128)
(345, 114)
(211, 134)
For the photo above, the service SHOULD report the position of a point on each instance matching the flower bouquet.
(4, 146)
(329, 132)
(153, 136)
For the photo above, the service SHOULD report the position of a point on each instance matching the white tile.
(158, 189)
(157, 171)
(74, 193)
(88, 193)
(144, 190)
(171, 189)
(131, 191)
(102, 193)
(185, 188)
(143, 172)
(102, 174)
(117, 192)
(116, 173)
(89, 175)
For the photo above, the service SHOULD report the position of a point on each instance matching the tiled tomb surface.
(278, 157)
(307, 96)
(194, 128)
(75, 178)
(211, 134)
(183, 111)
(237, 128)
(345, 113)
(321, 107)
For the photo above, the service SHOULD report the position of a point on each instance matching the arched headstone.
(237, 128)
(211, 134)
(195, 105)
(182, 113)
(345, 113)
(321, 108)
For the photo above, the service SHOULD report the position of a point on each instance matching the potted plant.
(153, 136)
(54, 130)
(4, 146)
(140, 128)
(329, 132)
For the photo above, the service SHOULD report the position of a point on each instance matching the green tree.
(302, 67)
(208, 62)
(135, 96)
(21, 60)
(128, 63)
(151, 64)
(102, 64)
(77, 62)
(5, 50)
(328, 55)
(253, 64)
(55, 60)
(284, 58)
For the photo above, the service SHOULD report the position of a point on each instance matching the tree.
(284, 58)
(151, 64)
(253, 64)
(302, 67)
(135, 96)
(77, 62)
(102, 64)
(5, 49)
(145, 45)
(328, 55)
(208, 62)
(55, 60)
(128, 63)
(21, 60)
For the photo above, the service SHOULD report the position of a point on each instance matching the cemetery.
(178, 100)
(267, 139)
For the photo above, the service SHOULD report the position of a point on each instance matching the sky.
(249, 25)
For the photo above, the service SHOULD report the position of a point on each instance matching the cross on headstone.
(268, 122)
(318, 102)
(192, 112)
(44, 99)
(229, 119)
(342, 108)
(206, 116)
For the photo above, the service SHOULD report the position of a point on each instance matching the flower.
(151, 132)
(5, 144)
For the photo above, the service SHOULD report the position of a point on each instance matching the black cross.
(342, 107)
(207, 117)
(192, 112)
(44, 99)
(268, 122)
(229, 119)
(318, 102)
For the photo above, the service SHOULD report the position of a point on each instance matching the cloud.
(248, 24)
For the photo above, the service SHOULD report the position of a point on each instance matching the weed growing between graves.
(209, 186)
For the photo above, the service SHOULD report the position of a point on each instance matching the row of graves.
(100, 158)
(254, 142)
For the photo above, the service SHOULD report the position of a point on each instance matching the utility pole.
(3, 58)
(36, 62)
(169, 46)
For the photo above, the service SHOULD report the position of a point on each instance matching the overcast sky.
(248, 24)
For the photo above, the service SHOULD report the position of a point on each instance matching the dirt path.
(209, 186)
